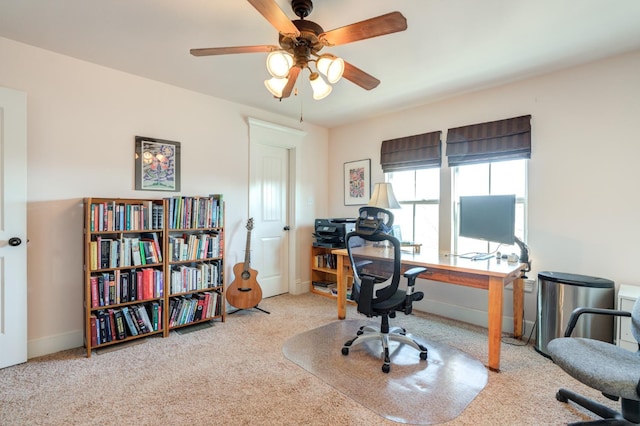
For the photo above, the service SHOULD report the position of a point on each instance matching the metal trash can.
(559, 294)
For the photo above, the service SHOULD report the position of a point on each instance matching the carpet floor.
(235, 373)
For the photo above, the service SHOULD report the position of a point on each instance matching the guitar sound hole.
(245, 275)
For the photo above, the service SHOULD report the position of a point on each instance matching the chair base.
(630, 410)
(396, 334)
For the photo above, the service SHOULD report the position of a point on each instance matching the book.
(120, 325)
(95, 298)
(135, 252)
(133, 329)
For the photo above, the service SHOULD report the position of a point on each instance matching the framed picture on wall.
(357, 182)
(157, 164)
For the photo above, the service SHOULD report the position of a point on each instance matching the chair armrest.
(573, 319)
(413, 273)
(366, 295)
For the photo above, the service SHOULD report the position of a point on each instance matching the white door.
(273, 153)
(13, 227)
(269, 209)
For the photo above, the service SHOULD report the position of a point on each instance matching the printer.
(331, 233)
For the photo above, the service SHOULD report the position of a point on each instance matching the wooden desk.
(489, 275)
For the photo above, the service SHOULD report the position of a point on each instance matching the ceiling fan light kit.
(320, 88)
(301, 40)
(279, 63)
(275, 86)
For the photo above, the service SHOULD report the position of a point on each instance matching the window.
(505, 177)
(418, 192)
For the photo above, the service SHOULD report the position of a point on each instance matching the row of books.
(195, 246)
(186, 278)
(127, 251)
(326, 260)
(118, 216)
(117, 324)
(115, 287)
(191, 308)
(324, 286)
(195, 212)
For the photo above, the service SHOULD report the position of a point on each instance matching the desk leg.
(341, 276)
(496, 287)
(518, 307)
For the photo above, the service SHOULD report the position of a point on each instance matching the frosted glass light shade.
(276, 86)
(384, 197)
(320, 88)
(279, 63)
(331, 66)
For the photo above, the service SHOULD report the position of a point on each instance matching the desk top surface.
(433, 260)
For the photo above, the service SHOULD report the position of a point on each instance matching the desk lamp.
(383, 197)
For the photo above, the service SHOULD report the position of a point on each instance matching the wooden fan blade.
(381, 25)
(230, 50)
(291, 82)
(276, 17)
(359, 77)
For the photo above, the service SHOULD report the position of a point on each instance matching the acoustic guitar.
(245, 292)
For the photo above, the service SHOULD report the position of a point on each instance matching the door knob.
(15, 241)
(286, 228)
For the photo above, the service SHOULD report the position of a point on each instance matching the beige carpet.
(235, 373)
(414, 391)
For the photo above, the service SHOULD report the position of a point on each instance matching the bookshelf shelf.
(324, 274)
(129, 269)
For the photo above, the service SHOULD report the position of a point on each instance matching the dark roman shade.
(411, 152)
(500, 140)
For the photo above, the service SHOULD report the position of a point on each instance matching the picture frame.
(157, 164)
(357, 182)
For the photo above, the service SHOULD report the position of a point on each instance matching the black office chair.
(376, 282)
(612, 370)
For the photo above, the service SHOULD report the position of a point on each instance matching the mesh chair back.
(365, 248)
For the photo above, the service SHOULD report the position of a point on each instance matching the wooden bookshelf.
(128, 288)
(195, 260)
(324, 274)
(123, 270)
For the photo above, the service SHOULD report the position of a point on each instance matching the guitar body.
(245, 292)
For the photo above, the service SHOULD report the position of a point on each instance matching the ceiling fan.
(300, 43)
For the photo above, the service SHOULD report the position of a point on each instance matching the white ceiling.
(450, 46)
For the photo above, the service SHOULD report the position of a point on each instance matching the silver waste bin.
(559, 294)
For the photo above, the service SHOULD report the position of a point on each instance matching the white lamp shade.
(384, 197)
(276, 86)
(332, 67)
(279, 63)
(320, 88)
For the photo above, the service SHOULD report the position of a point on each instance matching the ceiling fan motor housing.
(302, 8)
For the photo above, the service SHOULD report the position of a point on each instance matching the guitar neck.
(247, 255)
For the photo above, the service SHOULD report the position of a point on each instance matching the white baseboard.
(52, 344)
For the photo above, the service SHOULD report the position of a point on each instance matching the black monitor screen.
(488, 217)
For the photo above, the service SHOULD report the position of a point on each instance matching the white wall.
(82, 119)
(583, 172)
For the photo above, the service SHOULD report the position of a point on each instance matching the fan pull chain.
(301, 102)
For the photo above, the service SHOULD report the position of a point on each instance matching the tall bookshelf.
(130, 257)
(195, 260)
(124, 294)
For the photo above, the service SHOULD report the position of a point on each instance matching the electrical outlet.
(529, 285)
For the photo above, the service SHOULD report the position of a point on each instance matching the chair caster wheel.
(386, 368)
(423, 355)
(561, 397)
(345, 351)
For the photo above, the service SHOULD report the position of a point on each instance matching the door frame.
(289, 139)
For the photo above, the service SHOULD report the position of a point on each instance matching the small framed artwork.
(157, 164)
(357, 182)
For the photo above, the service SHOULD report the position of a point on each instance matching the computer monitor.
(488, 218)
